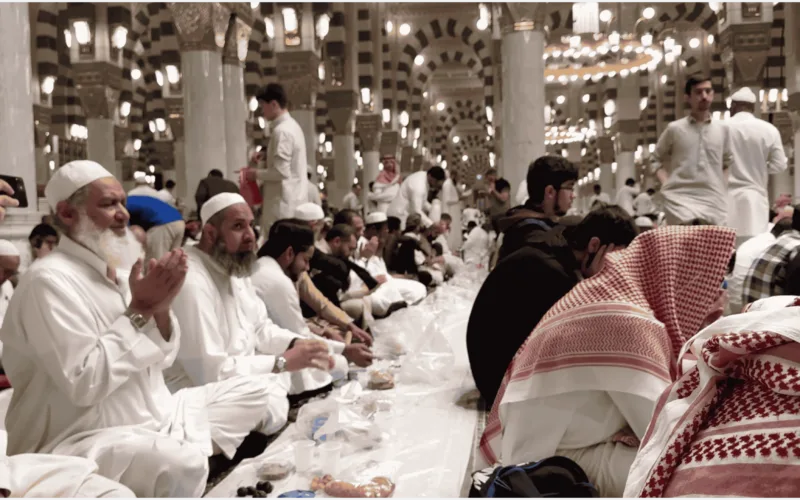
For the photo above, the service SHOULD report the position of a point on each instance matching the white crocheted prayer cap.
(309, 212)
(70, 178)
(7, 249)
(744, 94)
(375, 218)
(218, 203)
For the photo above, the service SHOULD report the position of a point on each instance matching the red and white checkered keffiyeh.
(621, 330)
(730, 426)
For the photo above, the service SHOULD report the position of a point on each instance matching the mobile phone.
(18, 185)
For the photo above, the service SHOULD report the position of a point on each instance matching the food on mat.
(378, 487)
(260, 490)
(380, 380)
(275, 471)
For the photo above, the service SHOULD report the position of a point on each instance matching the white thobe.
(144, 190)
(522, 193)
(476, 248)
(395, 289)
(602, 198)
(757, 151)
(351, 201)
(165, 196)
(411, 199)
(746, 254)
(279, 295)
(470, 215)
(643, 205)
(87, 383)
(313, 194)
(285, 181)
(6, 292)
(578, 426)
(227, 331)
(625, 198)
(451, 198)
(694, 155)
(36, 475)
(382, 194)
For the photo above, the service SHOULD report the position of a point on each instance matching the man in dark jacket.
(211, 186)
(528, 282)
(551, 180)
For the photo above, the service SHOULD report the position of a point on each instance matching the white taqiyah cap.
(744, 94)
(70, 178)
(7, 249)
(309, 212)
(217, 203)
(375, 218)
(644, 222)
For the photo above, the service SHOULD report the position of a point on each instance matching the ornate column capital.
(368, 126)
(237, 41)
(341, 109)
(520, 16)
(745, 48)
(389, 142)
(98, 84)
(298, 71)
(200, 26)
(627, 134)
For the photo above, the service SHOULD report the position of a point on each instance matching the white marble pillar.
(100, 145)
(372, 160)
(235, 118)
(606, 179)
(182, 190)
(344, 166)
(204, 117)
(626, 168)
(306, 118)
(16, 126)
(523, 103)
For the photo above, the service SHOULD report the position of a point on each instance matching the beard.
(118, 251)
(237, 264)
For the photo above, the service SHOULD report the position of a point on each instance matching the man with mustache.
(86, 344)
(227, 330)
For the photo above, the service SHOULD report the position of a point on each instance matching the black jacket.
(210, 187)
(520, 225)
(331, 275)
(515, 296)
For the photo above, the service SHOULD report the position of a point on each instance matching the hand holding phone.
(9, 198)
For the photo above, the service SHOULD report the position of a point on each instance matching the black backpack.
(552, 477)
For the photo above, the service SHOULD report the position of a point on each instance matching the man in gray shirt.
(692, 158)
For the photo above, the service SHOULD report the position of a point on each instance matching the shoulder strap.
(533, 220)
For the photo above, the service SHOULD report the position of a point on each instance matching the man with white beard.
(227, 331)
(85, 345)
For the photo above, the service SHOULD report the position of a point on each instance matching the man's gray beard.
(237, 264)
(119, 252)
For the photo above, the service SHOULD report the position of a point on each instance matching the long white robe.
(451, 199)
(411, 199)
(644, 205)
(382, 194)
(285, 181)
(313, 194)
(280, 297)
(36, 475)
(757, 151)
(477, 247)
(87, 383)
(395, 289)
(227, 332)
(625, 197)
(6, 292)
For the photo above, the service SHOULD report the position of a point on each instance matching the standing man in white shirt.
(691, 160)
(413, 195)
(167, 194)
(626, 196)
(285, 180)
(758, 152)
(352, 200)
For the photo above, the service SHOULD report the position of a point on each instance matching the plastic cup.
(303, 455)
(329, 454)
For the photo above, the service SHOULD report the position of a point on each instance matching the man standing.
(285, 180)
(167, 195)
(413, 194)
(626, 196)
(758, 151)
(352, 200)
(691, 159)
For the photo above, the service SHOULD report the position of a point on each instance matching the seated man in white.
(377, 232)
(86, 341)
(227, 332)
(37, 475)
(283, 258)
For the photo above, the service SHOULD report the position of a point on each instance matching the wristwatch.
(280, 365)
(137, 320)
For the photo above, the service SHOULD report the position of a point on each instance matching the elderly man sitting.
(227, 329)
(86, 341)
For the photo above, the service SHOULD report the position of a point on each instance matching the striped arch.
(435, 30)
(477, 157)
(774, 76)
(697, 13)
(452, 115)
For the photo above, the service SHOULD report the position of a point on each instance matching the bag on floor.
(557, 477)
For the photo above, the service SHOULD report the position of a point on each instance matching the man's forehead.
(238, 211)
(107, 186)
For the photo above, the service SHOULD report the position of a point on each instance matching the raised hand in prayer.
(153, 293)
(6, 200)
(360, 334)
(359, 354)
(307, 354)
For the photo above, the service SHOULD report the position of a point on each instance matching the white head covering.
(744, 94)
(217, 203)
(7, 249)
(375, 218)
(70, 178)
(643, 222)
(309, 212)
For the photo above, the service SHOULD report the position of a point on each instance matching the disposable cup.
(303, 455)
(329, 454)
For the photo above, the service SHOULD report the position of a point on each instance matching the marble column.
(236, 112)
(204, 109)
(606, 180)
(369, 131)
(523, 89)
(341, 106)
(628, 128)
(16, 128)
(298, 70)
(100, 145)
(176, 125)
